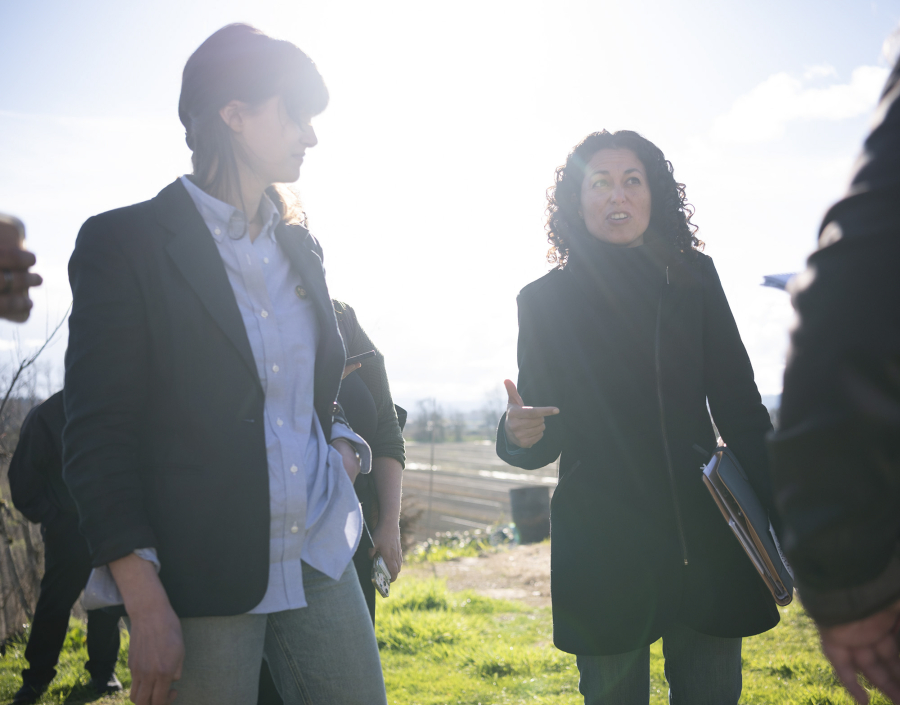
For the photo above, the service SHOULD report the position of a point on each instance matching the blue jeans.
(323, 653)
(700, 669)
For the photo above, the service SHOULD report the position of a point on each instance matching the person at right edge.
(836, 456)
(620, 347)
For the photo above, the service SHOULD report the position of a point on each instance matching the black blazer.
(618, 577)
(164, 444)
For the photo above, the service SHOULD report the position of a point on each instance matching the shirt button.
(280, 422)
(217, 231)
(294, 529)
(264, 313)
(265, 260)
(275, 368)
(249, 261)
(301, 292)
(294, 469)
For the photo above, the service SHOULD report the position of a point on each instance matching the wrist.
(140, 587)
(389, 516)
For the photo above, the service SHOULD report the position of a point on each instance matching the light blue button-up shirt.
(316, 516)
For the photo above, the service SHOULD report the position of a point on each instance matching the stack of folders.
(728, 484)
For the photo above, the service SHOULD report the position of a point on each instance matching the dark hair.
(241, 63)
(670, 213)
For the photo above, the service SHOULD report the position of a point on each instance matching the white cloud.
(763, 114)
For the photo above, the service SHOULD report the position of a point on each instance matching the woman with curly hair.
(621, 348)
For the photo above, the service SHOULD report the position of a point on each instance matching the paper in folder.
(728, 484)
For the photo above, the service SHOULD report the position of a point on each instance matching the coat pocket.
(566, 478)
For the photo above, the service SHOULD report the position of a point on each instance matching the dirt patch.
(516, 573)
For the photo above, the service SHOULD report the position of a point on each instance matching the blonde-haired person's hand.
(524, 425)
(156, 653)
(868, 647)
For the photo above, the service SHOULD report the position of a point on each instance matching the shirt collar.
(223, 219)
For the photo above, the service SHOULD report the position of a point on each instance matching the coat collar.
(194, 253)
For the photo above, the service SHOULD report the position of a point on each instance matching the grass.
(440, 647)
(450, 545)
(71, 683)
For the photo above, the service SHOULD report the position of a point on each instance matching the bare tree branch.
(29, 360)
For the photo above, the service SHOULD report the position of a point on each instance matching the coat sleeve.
(29, 482)
(106, 390)
(836, 461)
(388, 441)
(536, 388)
(734, 400)
(835, 458)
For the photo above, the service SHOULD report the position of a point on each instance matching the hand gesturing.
(869, 647)
(524, 425)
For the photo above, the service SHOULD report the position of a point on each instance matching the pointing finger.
(513, 393)
(536, 412)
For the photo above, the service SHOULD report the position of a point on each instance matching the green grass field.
(441, 647)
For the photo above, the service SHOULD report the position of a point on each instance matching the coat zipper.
(665, 438)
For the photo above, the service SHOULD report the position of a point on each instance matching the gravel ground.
(516, 573)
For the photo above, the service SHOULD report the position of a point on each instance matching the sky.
(445, 125)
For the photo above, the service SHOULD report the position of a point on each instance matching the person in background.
(15, 279)
(620, 347)
(836, 456)
(209, 459)
(38, 491)
(365, 397)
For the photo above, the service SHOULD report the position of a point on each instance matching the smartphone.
(359, 358)
(12, 232)
(381, 577)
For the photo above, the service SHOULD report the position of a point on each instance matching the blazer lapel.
(308, 264)
(330, 353)
(194, 253)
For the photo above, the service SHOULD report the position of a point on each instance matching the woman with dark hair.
(621, 347)
(211, 464)
(366, 399)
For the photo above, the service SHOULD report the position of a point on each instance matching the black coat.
(836, 457)
(621, 573)
(35, 470)
(164, 444)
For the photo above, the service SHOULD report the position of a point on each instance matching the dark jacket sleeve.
(536, 388)
(388, 441)
(106, 389)
(734, 400)
(835, 458)
(29, 470)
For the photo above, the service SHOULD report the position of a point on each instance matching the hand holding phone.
(381, 576)
(354, 363)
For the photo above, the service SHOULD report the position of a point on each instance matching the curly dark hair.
(670, 215)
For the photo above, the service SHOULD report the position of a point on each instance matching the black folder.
(728, 484)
